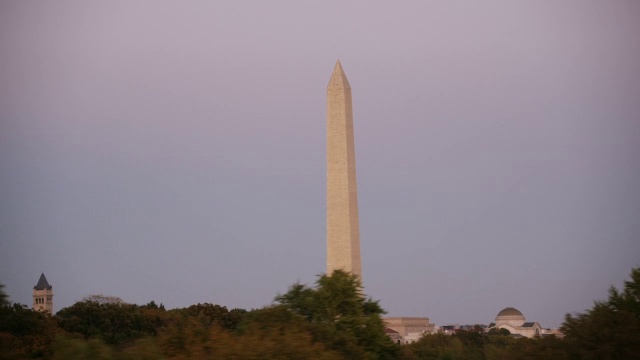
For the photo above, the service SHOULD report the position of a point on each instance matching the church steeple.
(43, 295)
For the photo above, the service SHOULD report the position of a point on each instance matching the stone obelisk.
(343, 230)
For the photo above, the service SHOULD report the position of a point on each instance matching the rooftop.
(43, 284)
(510, 312)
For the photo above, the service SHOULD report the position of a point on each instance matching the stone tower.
(43, 295)
(343, 230)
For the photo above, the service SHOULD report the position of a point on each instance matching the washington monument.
(343, 230)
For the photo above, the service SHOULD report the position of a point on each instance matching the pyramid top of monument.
(338, 77)
(43, 284)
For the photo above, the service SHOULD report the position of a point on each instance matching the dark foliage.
(24, 333)
(115, 323)
(341, 318)
(331, 320)
(611, 329)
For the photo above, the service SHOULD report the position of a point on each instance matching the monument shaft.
(343, 230)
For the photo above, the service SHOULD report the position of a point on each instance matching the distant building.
(553, 332)
(454, 328)
(43, 295)
(393, 335)
(512, 320)
(449, 329)
(409, 329)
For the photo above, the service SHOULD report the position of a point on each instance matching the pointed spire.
(338, 77)
(43, 284)
(343, 229)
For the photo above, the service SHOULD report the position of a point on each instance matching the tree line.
(331, 320)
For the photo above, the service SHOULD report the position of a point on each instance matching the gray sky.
(175, 151)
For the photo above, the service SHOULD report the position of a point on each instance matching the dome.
(510, 312)
(510, 316)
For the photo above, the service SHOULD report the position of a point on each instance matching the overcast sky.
(175, 151)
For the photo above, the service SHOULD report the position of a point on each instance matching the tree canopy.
(341, 317)
(611, 329)
(330, 320)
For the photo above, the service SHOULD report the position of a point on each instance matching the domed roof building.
(512, 320)
(510, 316)
(510, 312)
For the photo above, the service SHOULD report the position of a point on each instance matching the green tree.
(435, 346)
(273, 332)
(212, 314)
(342, 319)
(111, 320)
(24, 333)
(539, 348)
(611, 329)
(69, 348)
